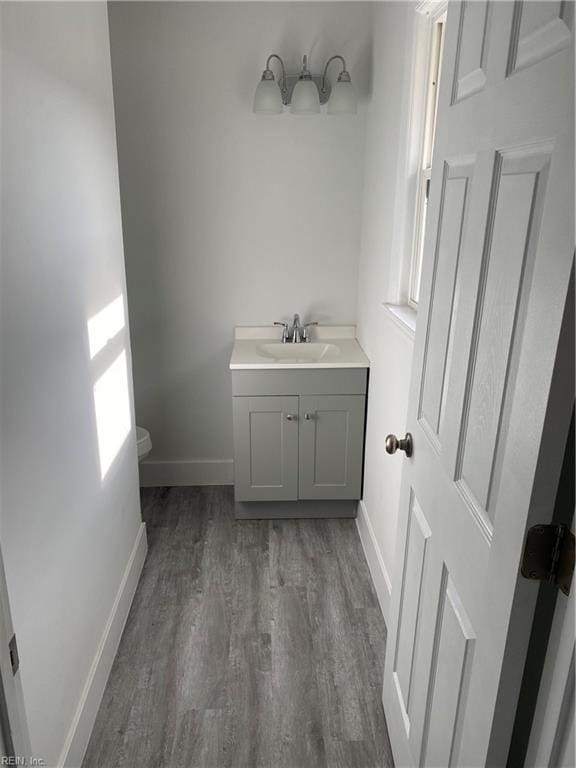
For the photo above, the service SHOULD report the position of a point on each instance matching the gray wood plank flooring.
(249, 644)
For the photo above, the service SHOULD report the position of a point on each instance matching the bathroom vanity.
(299, 419)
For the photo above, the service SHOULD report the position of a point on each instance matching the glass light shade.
(305, 98)
(268, 98)
(342, 99)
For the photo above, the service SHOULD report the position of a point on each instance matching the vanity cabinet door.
(266, 448)
(331, 446)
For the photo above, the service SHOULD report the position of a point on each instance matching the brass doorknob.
(404, 444)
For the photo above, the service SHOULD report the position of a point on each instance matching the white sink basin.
(260, 348)
(311, 352)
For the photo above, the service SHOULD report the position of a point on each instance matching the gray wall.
(229, 217)
(66, 532)
(388, 213)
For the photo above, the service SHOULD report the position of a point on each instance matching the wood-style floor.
(250, 644)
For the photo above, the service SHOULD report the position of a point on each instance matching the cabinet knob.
(308, 416)
(290, 417)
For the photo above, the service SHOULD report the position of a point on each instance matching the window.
(425, 169)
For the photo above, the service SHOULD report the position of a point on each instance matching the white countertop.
(260, 348)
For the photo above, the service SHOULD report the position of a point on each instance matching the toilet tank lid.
(142, 434)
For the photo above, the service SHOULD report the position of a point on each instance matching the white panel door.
(488, 430)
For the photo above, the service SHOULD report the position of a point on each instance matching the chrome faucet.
(296, 330)
(305, 332)
(285, 336)
(296, 333)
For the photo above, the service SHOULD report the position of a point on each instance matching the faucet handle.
(284, 331)
(305, 334)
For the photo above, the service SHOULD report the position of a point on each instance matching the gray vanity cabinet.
(298, 442)
(331, 438)
(266, 448)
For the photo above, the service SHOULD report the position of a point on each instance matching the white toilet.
(143, 443)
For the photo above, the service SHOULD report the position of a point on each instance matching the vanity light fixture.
(270, 97)
(304, 92)
(342, 100)
(305, 97)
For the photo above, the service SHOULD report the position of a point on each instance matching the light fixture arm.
(283, 87)
(344, 71)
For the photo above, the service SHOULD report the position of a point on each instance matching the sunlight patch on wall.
(104, 325)
(112, 405)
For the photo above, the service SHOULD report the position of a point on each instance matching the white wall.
(386, 231)
(229, 217)
(73, 542)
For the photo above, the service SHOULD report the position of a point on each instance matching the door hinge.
(14, 659)
(549, 555)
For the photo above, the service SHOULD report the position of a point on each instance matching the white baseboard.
(79, 734)
(193, 472)
(378, 570)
